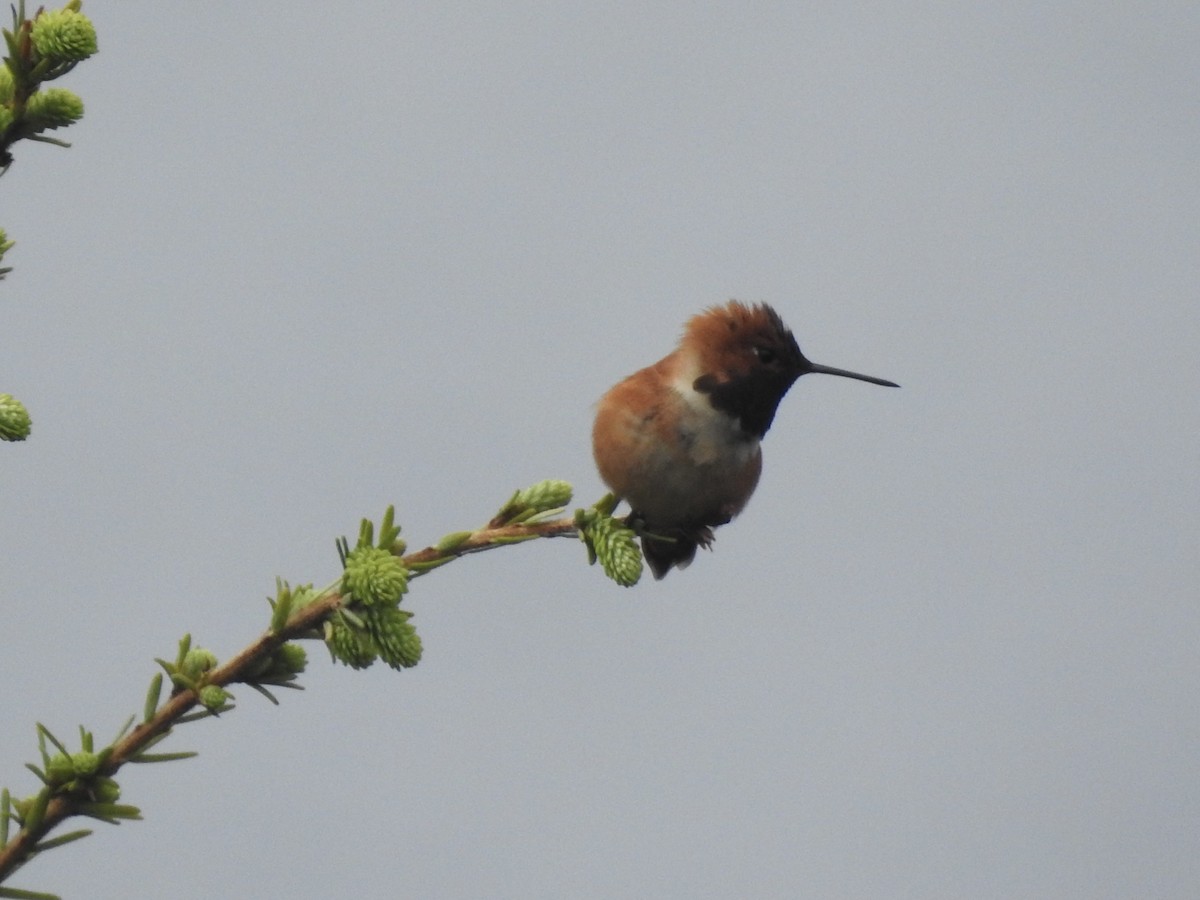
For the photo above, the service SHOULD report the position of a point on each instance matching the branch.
(360, 620)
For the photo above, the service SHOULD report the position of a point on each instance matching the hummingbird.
(680, 440)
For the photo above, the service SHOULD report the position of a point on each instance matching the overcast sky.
(307, 260)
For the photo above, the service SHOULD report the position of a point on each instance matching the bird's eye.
(765, 355)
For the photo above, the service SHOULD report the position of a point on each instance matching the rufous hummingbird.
(679, 440)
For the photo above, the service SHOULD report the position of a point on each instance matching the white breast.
(711, 436)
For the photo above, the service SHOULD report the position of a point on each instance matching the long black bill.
(829, 370)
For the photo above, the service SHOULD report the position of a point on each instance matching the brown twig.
(249, 660)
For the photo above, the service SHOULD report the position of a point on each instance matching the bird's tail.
(674, 549)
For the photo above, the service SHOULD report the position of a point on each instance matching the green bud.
(213, 696)
(53, 108)
(60, 769)
(14, 419)
(615, 546)
(349, 645)
(86, 764)
(397, 640)
(301, 596)
(291, 658)
(105, 790)
(374, 576)
(198, 661)
(606, 504)
(63, 35)
(548, 494)
(6, 84)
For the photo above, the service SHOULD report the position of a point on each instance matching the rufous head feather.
(748, 359)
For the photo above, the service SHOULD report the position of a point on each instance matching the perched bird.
(679, 440)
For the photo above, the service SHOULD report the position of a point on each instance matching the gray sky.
(305, 261)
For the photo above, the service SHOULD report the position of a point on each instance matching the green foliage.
(360, 619)
(5, 243)
(41, 49)
(52, 108)
(38, 50)
(14, 419)
(370, 625)
(63, 35)
(545, 499)
(610, 541)
(374, 577)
